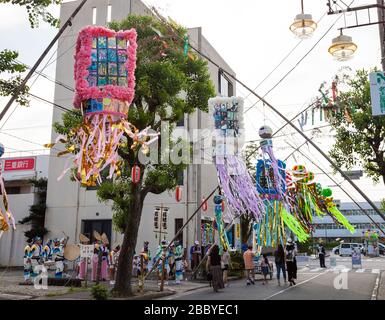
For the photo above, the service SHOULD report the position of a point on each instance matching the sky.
(252, 36)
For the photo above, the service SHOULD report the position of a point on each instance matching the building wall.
(12, 242)
(67, 203)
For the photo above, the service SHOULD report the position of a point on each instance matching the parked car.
(336, 250)
(346, 249)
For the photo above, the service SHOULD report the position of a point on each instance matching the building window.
(109, 8)
(225, 86)
(101, 226)
(178, 226)
(180, 123)
(94, 15)
(180, 178)
(13, 190)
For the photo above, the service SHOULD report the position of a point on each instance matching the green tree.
(168, 85)
(36, 215)
(10, 72)
(359, 139)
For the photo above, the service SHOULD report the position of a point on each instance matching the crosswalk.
(339, 269)
(366, 260)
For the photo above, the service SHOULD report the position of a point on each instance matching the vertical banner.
(377, 93)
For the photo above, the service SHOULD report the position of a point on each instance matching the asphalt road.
(338, 283)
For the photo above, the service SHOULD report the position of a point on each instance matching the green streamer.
(341, 219)
(292, 223)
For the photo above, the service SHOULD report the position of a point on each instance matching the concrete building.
(76, 210)
(328, 231)
(21, 195)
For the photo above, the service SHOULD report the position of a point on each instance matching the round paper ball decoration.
(265, 132)
(299, 171)
(218, 199)
(327, 192)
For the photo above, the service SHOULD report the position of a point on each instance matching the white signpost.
(86, 251)
(377, 93)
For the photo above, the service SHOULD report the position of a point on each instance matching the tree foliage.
(37, 9)
(36, 215)
(10, 72)
(359, 139)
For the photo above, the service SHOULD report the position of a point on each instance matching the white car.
(346, 249)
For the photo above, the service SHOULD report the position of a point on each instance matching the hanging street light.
(303, 25)
(342, 47)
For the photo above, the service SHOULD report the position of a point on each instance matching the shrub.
(99, 292)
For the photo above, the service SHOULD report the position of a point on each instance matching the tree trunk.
(246, 229)
(124, 273)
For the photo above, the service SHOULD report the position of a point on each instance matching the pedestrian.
(195, 256)
(213, 266)
(291, 262)
(321, 255)
(178, 262)
(113, 259)
(265, 268)
(226, 259)
(248, 258)
(279, 256)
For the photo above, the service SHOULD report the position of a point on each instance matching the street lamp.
(303, 25)
(342, 47)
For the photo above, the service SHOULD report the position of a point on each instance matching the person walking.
(248, 258)
(213, 266)
(291, 262)
(279, 256)
(195, 256)
(265, 268)
(321, 255)
(226, 259)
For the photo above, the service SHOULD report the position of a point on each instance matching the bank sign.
(19, 164)
(377, 93)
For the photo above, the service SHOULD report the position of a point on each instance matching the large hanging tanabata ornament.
(105, 63)
(223, 242)
(7, 220)
(234, 178)
(271, 185)
(307, 199)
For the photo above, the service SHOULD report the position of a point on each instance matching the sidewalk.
(12, 290)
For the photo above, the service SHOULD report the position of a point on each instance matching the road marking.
(298, 284)
(375, 289)
(376, 271)
(360, 270)
(315, 270)
(303, 269)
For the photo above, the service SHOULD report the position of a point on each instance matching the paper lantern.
(135, 174)
(178, 193)
(204, 205)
